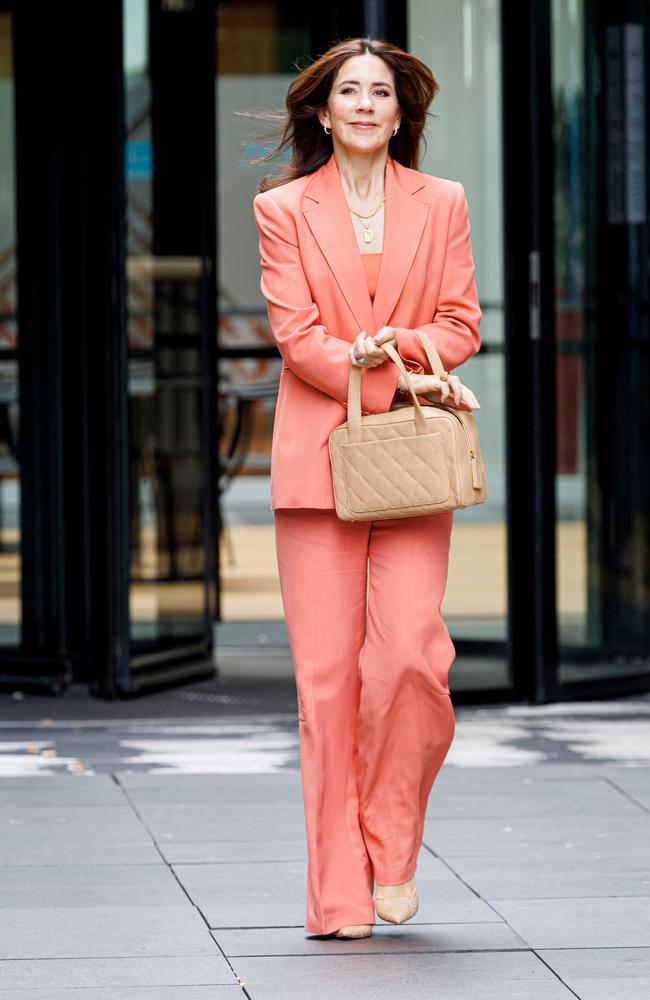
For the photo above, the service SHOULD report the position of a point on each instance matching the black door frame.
(73, 369)
(527, 118)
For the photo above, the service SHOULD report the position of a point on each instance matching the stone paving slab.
(43, 886)
(611, 989)
(551, 874)
(127, 993)
(93, 932)
(74, 834)
(591, 797)
(605, 974)
(457, 838)
(57, 850)
(144, 788)
(408, 938)
(115, 820)
(484, 976)
(514, 858)
(80, 974)
(68, 790)
(272, 895)
(222, 821)
(603, 963)
(232, 851)
(579, 923)
(634, 781)
(451, 776)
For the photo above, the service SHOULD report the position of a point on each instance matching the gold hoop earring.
(395, 131)
(326, 132)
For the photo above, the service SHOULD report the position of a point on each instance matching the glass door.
(462, 45)
(600, 109)
(10, 540)
(168, 64)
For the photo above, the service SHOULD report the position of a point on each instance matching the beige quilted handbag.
(412, 460)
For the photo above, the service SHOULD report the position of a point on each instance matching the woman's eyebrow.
(377, 83)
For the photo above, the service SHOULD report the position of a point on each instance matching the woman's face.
(363, 91)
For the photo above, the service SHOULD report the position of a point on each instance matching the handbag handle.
(431, 352)
(354, 389)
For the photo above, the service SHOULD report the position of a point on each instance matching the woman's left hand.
(370, 347)
(452, 391)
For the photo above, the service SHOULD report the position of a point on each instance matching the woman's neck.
(362, 176)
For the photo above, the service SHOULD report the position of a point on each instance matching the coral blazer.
(318, 301)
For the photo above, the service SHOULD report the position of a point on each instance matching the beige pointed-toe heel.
(397, 903)
(354, 931)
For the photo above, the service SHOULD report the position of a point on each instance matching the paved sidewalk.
(145, 859)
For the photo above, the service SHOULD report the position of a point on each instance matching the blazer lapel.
(326, 211)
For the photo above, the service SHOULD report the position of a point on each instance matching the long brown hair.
(300, 129)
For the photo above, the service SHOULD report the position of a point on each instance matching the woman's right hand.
(450, 391)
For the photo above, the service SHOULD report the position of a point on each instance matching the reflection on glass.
(461, 44)
(601, 492)
(10, 561)
(568, 102)
(256, 52)
(168, 594)
(247, 395)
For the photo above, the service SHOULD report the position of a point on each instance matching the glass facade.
(164, 319)
(600, 113)
(137, 405)
(463, 143)
(10, 547)
(461, 44)
(254, 68)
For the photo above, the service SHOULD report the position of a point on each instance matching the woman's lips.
(360, 125)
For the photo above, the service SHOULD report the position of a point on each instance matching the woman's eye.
(384, 93)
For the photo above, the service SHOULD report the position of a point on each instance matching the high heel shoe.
(354, 931)
(397, 907)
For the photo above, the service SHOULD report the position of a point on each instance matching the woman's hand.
(450, 391)
(369, 347)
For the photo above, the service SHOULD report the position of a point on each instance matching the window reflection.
(10, 542)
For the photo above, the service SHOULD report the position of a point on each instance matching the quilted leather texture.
(385, 466)
(395, 472)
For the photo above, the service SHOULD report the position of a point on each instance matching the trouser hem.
(395, 876)
(344, 920)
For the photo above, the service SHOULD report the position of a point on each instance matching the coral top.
(371, 262)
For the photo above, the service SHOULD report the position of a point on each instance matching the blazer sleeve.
(455, 326)
(309, 350)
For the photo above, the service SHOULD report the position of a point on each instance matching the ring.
(361, 361)
(444, 376)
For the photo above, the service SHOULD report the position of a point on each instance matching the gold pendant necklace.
(367, 235)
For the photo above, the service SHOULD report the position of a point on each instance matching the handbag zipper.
(476, 481)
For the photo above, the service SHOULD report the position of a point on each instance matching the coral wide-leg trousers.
(371, 655)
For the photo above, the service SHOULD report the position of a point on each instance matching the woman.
(358, 249)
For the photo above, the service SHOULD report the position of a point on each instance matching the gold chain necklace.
(367, 235)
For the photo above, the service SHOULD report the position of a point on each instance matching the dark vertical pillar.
(72, 348)
(40, 216)
(530, 346)
(183, 116)
(103, 444)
